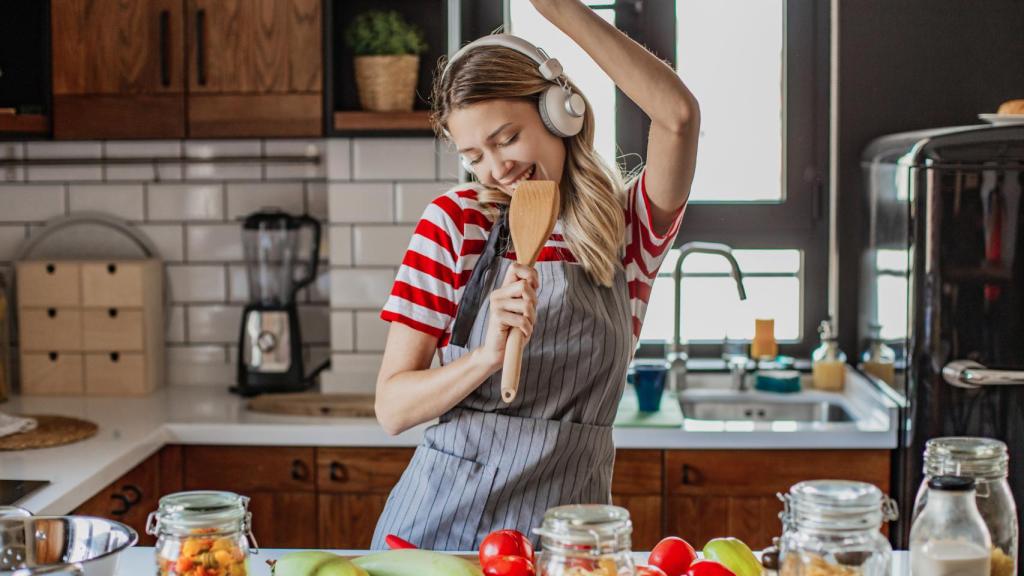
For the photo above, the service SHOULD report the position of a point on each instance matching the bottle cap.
(951, 483)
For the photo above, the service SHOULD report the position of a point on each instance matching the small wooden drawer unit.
(91, 327)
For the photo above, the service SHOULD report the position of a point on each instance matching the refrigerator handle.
(970, 374)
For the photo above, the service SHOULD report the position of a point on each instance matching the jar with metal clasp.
(833, 527)
(202, 532)
(986, 461)
(585, 540)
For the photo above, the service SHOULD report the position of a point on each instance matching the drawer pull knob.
(339, 472)
(53, 356)
(112, 268)
(112, 312)
(300, 471)
(51, 312)
(114, 356)
(51, 269)
(691, 476)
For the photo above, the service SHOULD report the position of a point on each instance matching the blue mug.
(648, 377)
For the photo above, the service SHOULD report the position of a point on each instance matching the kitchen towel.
(15, 425)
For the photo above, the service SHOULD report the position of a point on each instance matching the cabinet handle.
(112, 312)
(53, 356)
(339, 472)
(690, 475)
(114, 357)
(111, 268)
(165, 48)
(201, 46)
(51, 269)
(51, 312)
(300, 471)
(134, 492)
(125, 505)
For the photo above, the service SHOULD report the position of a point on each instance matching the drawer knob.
(53, 356)
(300, 471)
(114, 356)
(339, 472)
(691, 476)
(112, 312)
(112, 268)
(51, 269)
(51, 312)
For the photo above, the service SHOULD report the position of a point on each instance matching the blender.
(280, 259)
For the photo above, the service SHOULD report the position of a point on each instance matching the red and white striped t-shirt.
(450, 238)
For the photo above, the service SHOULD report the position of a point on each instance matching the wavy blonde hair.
(592, 193)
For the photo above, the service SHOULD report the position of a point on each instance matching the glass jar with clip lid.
(585, 540)
(833, 527)
(202, 533)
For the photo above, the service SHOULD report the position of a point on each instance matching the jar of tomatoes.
(586, 540)
(202, 533)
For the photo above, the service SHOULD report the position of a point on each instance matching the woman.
(489, 465)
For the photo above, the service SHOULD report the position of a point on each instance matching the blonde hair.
(592, 193)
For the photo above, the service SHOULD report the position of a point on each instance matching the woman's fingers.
(514, 320)
(517, 271)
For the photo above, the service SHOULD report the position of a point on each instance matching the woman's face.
(504, 142)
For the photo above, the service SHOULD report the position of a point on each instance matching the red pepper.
(396, 543)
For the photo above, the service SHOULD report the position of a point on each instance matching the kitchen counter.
(140, 560)
(132, 429)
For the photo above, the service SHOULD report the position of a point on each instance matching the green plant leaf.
(383, 33)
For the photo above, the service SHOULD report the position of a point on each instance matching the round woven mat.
(51, 431)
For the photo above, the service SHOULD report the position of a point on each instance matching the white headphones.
(560, 108)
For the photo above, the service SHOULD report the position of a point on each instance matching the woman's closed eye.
(508, 142)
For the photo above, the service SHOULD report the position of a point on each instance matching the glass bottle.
(879, 359)
(834, 527)
(948, 537)
(986, 461)
(828, 362)
(211, 529)
(585, 539)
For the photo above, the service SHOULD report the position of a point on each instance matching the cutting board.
(629, 415)
(311, 404)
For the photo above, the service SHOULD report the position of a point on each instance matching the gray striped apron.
(487, 465)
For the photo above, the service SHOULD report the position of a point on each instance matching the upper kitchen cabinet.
(255, 68)
(118, 68)
(177, 68)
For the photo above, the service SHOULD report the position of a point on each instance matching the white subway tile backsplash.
(130, 172)
(169, 240)
(221, 148)
(196, 283)
(176, 325)
(448, 165)
(341, 245)
(309, 148)
(30, 202)
(185, 201)
(143, 149)
(316, 200)
(342, 333)
(319, 292)
(394, 159)
(123, 200)
(11, 238)
(199, 365)
(245, 198)
(339, 164)
(83, 173)
(381, 245)
(360, 287)
(214, 242)
(371, 332)
(223, 171)
(12, 151)
(214, 324)
(238, 283)
(315, 324)
(361, 202)
(412, 198)
(351, 373)
(38, 150)
(74, 150)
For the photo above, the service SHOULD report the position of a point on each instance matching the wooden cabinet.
(176, 68)
(637, 486)
(133, 496)
(714, 493)
(352, 486)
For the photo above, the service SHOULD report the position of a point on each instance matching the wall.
(368, 192)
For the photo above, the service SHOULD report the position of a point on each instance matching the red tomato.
(649, 571)
(508, 566)
(673, 555)
(505, 543)
(396, 543)
(709, 568)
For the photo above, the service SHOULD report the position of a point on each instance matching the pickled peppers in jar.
(202, 533)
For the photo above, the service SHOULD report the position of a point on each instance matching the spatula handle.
(513, 362)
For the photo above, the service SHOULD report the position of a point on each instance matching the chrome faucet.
(679, 352)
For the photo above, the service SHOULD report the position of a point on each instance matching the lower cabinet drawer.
(52, 373)
(51, 329)
(108, 329)
(115, 374)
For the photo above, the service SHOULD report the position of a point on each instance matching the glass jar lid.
(973, 457)
(836, 505)
(208, 510)
(586, 528)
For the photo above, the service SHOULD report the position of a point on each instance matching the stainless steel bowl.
(62, 545)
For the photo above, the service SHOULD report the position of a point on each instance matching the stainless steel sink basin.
(753, 410)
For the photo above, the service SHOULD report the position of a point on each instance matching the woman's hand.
(513, 306)
(546, 7)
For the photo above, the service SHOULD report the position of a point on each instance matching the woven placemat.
(50, 431)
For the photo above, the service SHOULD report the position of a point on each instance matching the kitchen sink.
(763, 410)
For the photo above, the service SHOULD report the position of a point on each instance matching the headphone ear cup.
(554, 114)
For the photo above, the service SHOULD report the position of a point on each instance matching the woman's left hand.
(545, 7)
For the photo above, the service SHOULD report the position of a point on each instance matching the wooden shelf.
(24, 123)
(359, 121)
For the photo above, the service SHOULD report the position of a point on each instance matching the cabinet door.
(717, 493)
(255, 68)
(353, 485)
(636, 486)
(118, 69)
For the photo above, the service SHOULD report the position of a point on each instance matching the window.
(760, 71)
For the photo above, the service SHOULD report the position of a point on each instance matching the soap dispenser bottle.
(879, 359)
(828, 362)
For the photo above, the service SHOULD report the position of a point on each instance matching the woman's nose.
(501, 168)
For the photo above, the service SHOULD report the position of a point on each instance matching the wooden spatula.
(531, 218)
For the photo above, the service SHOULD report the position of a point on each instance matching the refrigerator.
(942, 275)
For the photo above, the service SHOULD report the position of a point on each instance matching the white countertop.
(132, 429)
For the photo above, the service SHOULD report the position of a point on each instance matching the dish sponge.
(777, 381)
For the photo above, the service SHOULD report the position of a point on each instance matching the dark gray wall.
(906, 65)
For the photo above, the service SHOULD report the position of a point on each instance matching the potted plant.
(387, 50)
